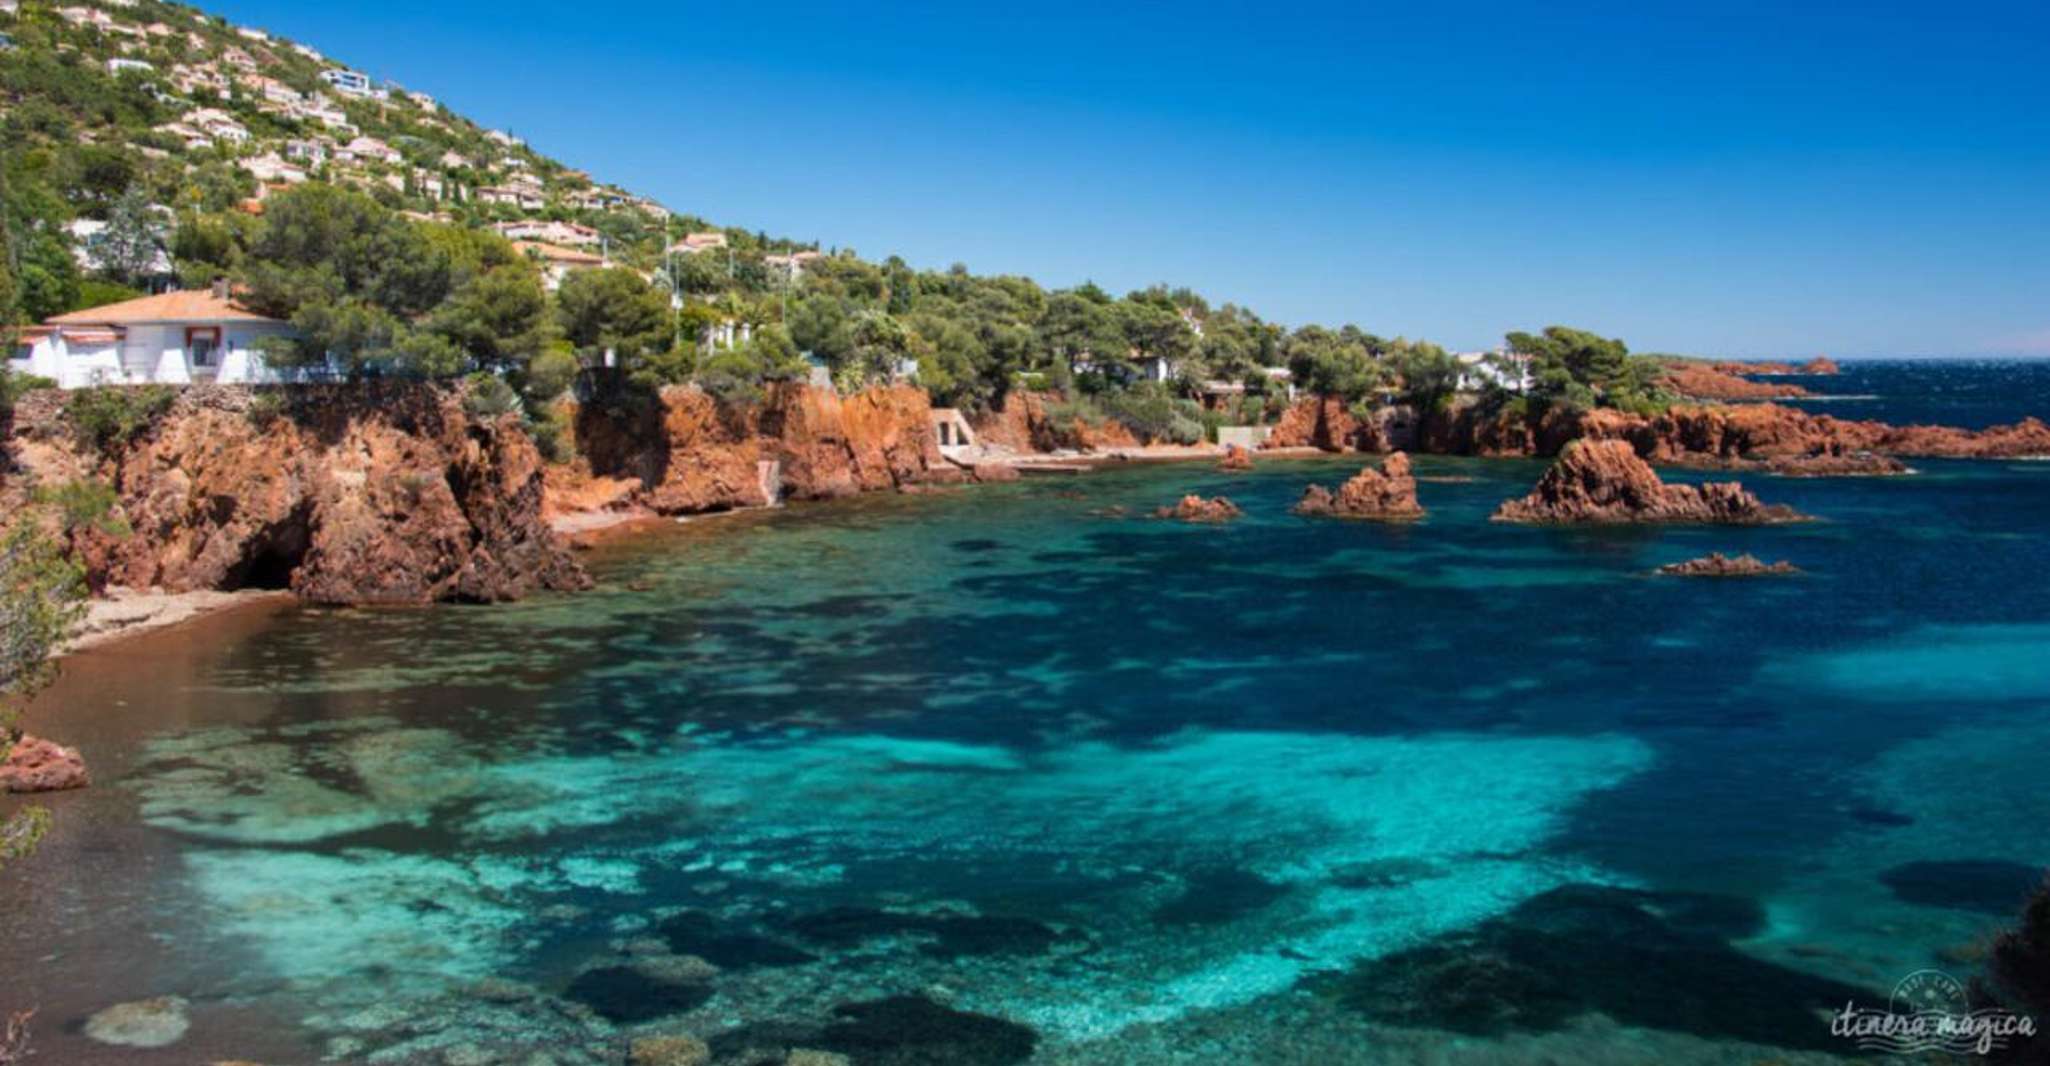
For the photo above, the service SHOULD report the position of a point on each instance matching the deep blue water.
(1013, 772)
(1952, 392)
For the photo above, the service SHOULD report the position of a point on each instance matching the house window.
(202, 346)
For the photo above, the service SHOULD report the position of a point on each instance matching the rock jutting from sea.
(1716, 564)
(1604, 482)
(1388, 493)
(38, 765)
(1194, 508)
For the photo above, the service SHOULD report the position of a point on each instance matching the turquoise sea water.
(1009, 775)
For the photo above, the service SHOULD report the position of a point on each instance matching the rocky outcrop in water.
(1724, 381)
(1759, 436)
(1819, 366)
(387, 494)
(1194, 508)
(1604, 481)
(1716, 564)
(684, 451)
(38, 765)
(1387, 493)
(1236, 459)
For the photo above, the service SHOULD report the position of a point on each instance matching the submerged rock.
(1604, 481)
(915, 1031)
(149, 1023)
(950, 935)
(1989, 886)
(1194, 508)
(1716, 564)
(699, 935)
(683, 1050)
(38, 765)
(625, 994)
(809, 1057)
(1657, 960)
(1387, 493)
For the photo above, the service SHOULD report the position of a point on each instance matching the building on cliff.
(176, 338)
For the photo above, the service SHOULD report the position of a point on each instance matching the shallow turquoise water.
(1144, 791)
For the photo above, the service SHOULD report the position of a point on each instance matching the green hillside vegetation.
(380, 251)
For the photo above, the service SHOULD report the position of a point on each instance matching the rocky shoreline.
(394, 493)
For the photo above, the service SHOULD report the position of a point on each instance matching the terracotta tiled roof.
(192, 305)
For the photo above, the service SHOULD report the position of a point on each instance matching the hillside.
(149, 145)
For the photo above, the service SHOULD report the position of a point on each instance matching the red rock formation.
(1387, 493)
(685, 452)
(1194, 508)
(389, 494)
(37, 765)
(1724, 381)
(1819, 365)
(1328, 424)
(1735, 437)
(1235, 459)
(986, 473)
(1026, 423)
(1716, 564)
(1604, 481)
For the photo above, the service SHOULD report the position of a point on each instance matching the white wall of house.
(154, 354)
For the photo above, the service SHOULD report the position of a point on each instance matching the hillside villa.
(557, 262)
(177, 338)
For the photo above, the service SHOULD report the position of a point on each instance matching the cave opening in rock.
(272, 556)
(270, 570)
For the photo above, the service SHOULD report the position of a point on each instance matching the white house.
(1478, 370)
(347, 82)
(116, 65)
(269, 168)
(694, 243)
(369, 148)
(550, 232)
(556, 263)
(217, 124)
(520, 198)
(791, 265)
(177, 338)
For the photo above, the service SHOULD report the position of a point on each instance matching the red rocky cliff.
(686, 452)
(1604, 481)
(392, 494)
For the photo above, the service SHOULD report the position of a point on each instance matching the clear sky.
(1719, 178)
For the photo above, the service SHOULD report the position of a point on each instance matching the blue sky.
(1729, 178)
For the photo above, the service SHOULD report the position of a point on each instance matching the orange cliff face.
(686, 452)
(386, 495)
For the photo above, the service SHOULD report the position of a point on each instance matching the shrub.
(14, 386)
(109, 417)
(553, 437)
(86, 503)
(488, 396)
(550, 373)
